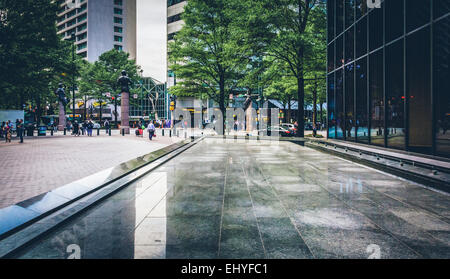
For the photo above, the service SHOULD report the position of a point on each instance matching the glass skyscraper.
(389, 74)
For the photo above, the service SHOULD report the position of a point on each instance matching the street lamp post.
(73, 39)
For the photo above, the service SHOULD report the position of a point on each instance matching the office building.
(389, 74)
(99, 25)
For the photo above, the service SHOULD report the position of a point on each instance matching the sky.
(152, 38)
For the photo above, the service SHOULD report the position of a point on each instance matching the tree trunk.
(321, 113)
(301, 106)
(101, 112)
(315, 110)
(38, 110)
(222, 102)
(288, 120)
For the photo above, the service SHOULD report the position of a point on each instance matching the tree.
(209, 54)
(101, 76)
(32, 55)
(294, 25)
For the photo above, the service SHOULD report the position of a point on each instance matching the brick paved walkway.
(43, 164)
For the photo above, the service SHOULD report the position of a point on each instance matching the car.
(282, 132)
(289, 127)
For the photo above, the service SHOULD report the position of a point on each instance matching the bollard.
(64, 131)
(170, 133)
(123, 132)
(178, 134)
(163, 132)
(109, 131)
(51, 132)
(98, 131)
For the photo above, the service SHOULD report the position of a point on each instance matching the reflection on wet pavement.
(251, 199)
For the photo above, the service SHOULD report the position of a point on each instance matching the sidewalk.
(42, 164)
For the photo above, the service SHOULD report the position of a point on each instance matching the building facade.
(99, 25)
(389, 74)
(175, 9)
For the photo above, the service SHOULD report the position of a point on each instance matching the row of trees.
(34, 59)
(279, 45)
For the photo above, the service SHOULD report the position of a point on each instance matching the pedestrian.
(83, 128)
(1, 129)
(20, 130)
(17, 128)
(76, 129)
(151, 130)
(107, 126)
(7, 132)
(90, 126)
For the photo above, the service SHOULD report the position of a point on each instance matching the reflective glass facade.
(389, 74)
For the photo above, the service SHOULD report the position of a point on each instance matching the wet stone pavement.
(251, 199)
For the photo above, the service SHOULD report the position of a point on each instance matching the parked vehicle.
(289, 127)
(273, 130)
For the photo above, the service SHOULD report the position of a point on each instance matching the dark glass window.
(331, 107)
(395, 95)
(339, 105)
(339, 51)
(362, 117)
(361, 37)
(361, 8)
(339, 16)
(330, 57)
(376, 28)
(394, 19)
(330, 11)
(417, 13)
(442, 85)
(349, 12)
(418, 86)
(376, 98)
(350, 102)
(441, 7)
(349, 45)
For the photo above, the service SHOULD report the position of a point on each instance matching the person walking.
(17, 128)
(107, 125)
(83, 128)
(151, 130)
(7, 132)
(20, 130)
(76, 129)
(90, 126)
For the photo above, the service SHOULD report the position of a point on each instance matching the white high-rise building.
(99, 25)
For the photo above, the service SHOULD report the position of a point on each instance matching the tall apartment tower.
(99, 25)
(174, 23)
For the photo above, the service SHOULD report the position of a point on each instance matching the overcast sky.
(152, 38)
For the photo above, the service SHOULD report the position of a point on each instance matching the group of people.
(86, 127)
(7, 128)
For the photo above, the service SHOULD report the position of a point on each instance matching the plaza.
(258, 199)
(43, 164)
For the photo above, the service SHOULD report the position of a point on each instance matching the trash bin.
(42, 132)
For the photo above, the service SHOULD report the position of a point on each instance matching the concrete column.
(125, 108)
(249, 118)
(62, 117)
